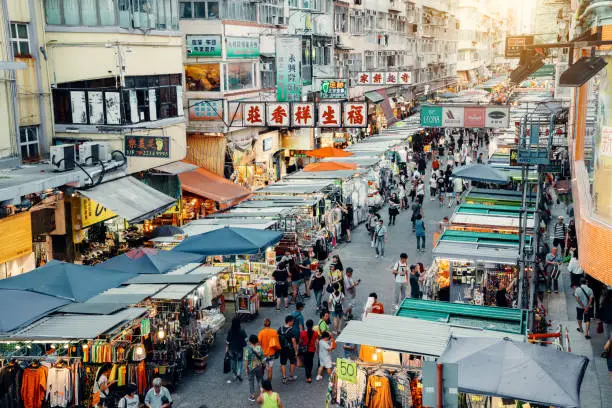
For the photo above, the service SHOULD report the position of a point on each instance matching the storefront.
(471, 267)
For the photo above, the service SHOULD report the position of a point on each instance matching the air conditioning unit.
(63, 157)
(93, 152)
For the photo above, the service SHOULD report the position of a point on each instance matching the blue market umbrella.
(230, 241)
(480, 172)
(150, 261)
(166, 231)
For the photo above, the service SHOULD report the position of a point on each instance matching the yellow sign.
(346, 370)
(16, 236)
(93, 213)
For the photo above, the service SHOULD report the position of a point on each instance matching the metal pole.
(536, 246)
(440, 371)
(522, 231)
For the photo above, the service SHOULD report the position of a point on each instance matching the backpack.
(337, 304)
(284, 334)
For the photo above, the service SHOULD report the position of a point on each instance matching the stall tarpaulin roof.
(523, 371)
(149, 260)
(207, 184)
(329, 166)
(69, 281)
(230, 241)
(130, 198)
(480, 172)
(22, 307)
(328, 152)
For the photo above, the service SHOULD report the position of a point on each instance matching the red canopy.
(330, 166)
(329, 152)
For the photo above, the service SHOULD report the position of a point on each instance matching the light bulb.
(18, 347)
(139, 350)
(161, 334)
(53, 346)
(85, 346)
(66, 346)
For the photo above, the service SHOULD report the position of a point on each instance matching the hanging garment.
(400, 385)
(378, 394)
(351, 395)
(34, 386)
(10, 386)
(59, 387)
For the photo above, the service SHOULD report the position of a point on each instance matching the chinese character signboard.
(378, 78)
(391, 78)
(515, 44)
(334, 89)
(254, 113)
(204, 46)
(302, 115)
(364, 78)
(405, 77)
(147, 146)
(384, 78)
(329, 114)
(203, 110)
(355, 114)
(451, 116)
(242, 47)
(278, 114)
(288, 69)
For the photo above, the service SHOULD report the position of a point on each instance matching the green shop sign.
(431, 116)
(334, 89)
(242, 47)
(204, 46)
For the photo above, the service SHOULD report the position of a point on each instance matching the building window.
(28, 141)
(239, 76)
(20, 39)
(242, 10)
(200, 9)
(268, 73)
(271, 12)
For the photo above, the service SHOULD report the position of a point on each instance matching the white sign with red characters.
(355, 114)
(405, 77)
(378, 78)
(364, 78)
(254, 113)
(391, 78)
(384, 78)
(302, 114)
(330, 114)
(278, 114)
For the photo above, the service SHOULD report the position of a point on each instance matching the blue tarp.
(230, 241)
(20, 308)
(69, 281)
(148, 261)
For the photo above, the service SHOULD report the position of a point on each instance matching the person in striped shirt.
(559, 233)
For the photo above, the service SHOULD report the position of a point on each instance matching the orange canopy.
(207, 184)
(330, 166)
(329, 152)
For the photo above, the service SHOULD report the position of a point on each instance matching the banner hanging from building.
(384, 78)
(451, 116)
(515, 44)
(288, 69)
(305, 114)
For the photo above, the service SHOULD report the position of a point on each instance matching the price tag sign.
(346, 370)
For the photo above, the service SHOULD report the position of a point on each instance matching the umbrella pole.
(440, 371)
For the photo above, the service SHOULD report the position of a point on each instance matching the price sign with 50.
(346, 370)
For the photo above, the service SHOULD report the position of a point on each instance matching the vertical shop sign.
(133, 106)
(329, 114)
(204, 46)
(302, 115)
(288, 69)
(254, 114)
(431, 116)
(278, 114)
(605, 148)
(152, 104)
(364, 78)
(405, 77)
(355, 114)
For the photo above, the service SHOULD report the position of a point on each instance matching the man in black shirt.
(281, 285)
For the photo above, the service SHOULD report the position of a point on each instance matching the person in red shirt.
(373, 305)
(308, 348)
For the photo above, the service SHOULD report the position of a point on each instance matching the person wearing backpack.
(308, 348)
(336, 299)
(289, 348)
(254, 365)
(400, 272)
(130, 400)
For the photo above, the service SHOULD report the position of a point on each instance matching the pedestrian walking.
(394, 205)
(380, 238)
(402, 196)
(608, 355)
(270, 345)
(306, 268)
(298, 318)
(480, 159)
(335, 277)
(553, 261)
(158, 396)
(308, 348)
(576, 272)
(605, 313)
(433, 186)
(420, 233)
(351, 292)
(415, 290)
(268, 398)
(584, 309)
(130, 399)
(288, 352)
(254, 361)
(234, 345)
(336, 305)
(317, 284)
(281, 284)
(371, 224)
(417, 208)
(347, 220)
(559, 234)
(400, 272)
(325, 359)
(323, 325)
(571, 240)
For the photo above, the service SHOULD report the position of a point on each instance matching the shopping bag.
(600, 328)
(227, 366)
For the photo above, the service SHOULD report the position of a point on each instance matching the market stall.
(498, 197)
(472, 267)
(490, 218)
(149, 261)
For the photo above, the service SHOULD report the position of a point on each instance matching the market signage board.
(288, 69)
(515, 44)
(346, 370)
(92, 212)
(452, 116)
(16, 236)
(147, 146)
(384, 78)
(242, 47)
(334, 89)
(204, 46)
(304, 114)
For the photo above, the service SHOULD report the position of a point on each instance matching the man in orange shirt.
(377, 307)
(270, 344)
